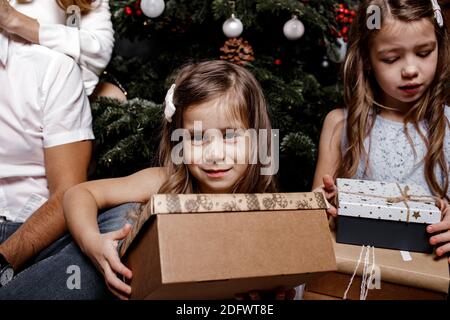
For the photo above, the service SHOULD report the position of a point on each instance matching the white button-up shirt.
(90, 45)
(42, 104)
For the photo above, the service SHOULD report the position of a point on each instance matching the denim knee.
(115, 218)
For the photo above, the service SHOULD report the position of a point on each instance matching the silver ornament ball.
(152, 8)
(294, 29)
(233, 27)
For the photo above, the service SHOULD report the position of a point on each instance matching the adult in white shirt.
(45, 148)
(46, 22)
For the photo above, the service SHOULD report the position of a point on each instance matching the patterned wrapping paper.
(188, 203)
(209, 203)
(385, 201)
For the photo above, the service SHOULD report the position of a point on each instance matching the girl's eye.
(424, 54)
(229, 135)
(390, 60)
(197, 139)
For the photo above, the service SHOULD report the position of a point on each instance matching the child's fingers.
(254, 295)
(440, 238)
(118, 267)
(443, 249)
(332, 211)
(121, 233)
(328, 184)
(116, 283)
(440, 226)
(117, 293)
(280, 295)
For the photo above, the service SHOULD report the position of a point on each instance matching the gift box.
(214, 246)
(396, 275)
(385, 215)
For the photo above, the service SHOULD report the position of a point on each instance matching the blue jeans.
(62, 271)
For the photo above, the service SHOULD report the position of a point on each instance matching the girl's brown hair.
(361, 88)
(206, 81)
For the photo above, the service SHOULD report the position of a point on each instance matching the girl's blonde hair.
(206, 81)
(360, 89)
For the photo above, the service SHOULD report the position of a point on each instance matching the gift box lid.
(386, 201)
(215, 203)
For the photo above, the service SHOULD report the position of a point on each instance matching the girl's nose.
(214, 151)
(410, 72)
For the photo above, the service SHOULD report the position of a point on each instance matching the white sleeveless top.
(391, 156)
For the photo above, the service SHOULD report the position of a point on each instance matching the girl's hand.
(329, 189)
(102, 249)
(443, 239)
(277, 295)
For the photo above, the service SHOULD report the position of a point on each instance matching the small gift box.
(386, 215)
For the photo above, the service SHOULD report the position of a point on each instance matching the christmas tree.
(289, 45)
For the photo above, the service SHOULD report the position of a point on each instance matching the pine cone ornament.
(238, 51)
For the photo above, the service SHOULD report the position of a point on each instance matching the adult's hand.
(17, 23)
(6, 12)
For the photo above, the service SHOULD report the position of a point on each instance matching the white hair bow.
(170, 109)
(437, 13)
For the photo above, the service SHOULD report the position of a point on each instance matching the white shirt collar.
(4, 40)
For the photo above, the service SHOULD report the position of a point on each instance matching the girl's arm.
(329, 146)
(90, 46)
(329, 155)
(81, 205)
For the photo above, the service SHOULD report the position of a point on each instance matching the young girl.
(395, 126)
(215, 96)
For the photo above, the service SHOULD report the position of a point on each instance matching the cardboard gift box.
(215, 246)
(385, 215)
(396, 275)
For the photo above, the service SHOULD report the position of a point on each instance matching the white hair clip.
(170, 109)
(437, 13)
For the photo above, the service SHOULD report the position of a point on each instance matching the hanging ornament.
(325, 62)
(294, 28)
(233, 27)
(128, 11)
(278, 62)
(152, 8)
(337, 51)
(238, 51)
